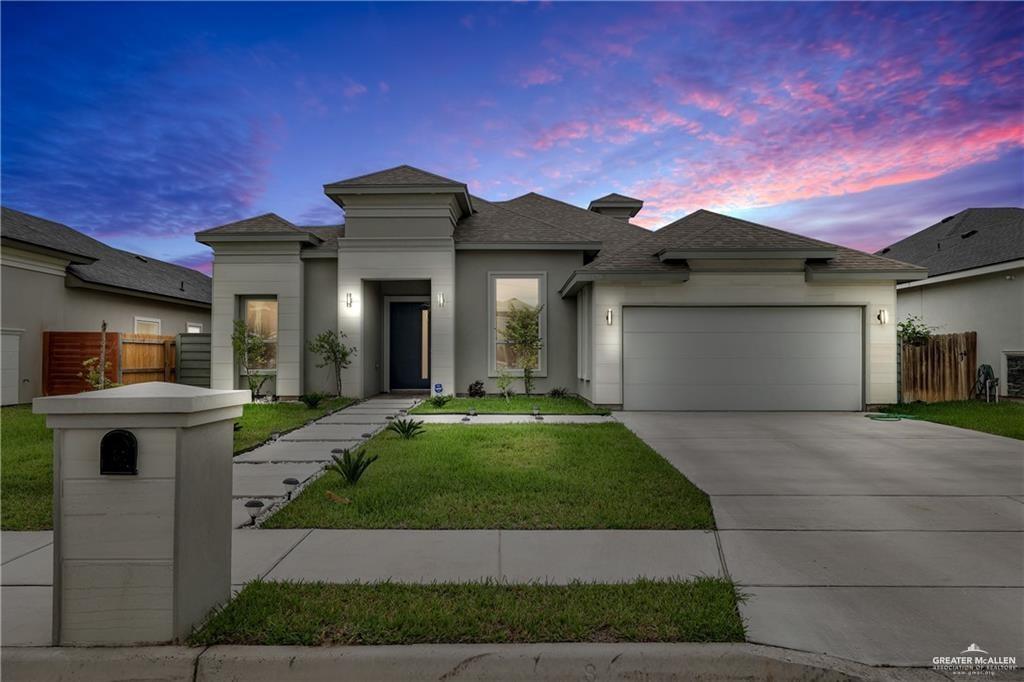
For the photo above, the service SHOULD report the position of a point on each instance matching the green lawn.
(517, 404)
(506, 476)
(316, 614)
(26, 455)
(260, 420)
(26, 470)
(1003, 419)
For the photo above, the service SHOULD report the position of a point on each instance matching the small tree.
(92, 375)
(914, 331)
(522, 333)
(252, 354)
(333, 352)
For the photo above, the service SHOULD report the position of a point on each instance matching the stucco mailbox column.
(142, 510)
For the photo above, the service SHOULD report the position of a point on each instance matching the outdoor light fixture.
(348, 299)
(440, 299)
(254, 507)
(291, 484)
(882, 316)
(608, 316)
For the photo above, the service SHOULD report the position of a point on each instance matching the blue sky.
(143, 123)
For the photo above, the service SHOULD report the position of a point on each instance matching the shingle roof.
(973, 238)
(330, 234)
(268, 223)
(593, 226)
(399, 175)
(112, 267)
(704, 229)
(616, 198)
(496, 223)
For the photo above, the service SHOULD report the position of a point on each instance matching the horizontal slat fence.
(133, 359)
(63, 355)
(193, 362)
(942, 368)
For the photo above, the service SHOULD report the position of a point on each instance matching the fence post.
(167, 360)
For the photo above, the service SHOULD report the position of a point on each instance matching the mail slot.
(119, 454)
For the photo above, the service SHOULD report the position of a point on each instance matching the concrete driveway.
(881, 542)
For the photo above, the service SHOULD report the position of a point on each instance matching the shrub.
(253, 354)
(504, 382)
(312, 400)
(333, 352)
(559, 392)
(406, 428)
(440, 400)
(92, 375)
(476, 389)
(351, 467)
(913, 331)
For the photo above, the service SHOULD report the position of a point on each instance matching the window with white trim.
(508, 290)
(193, 327)
(147, 325)
(260, 315)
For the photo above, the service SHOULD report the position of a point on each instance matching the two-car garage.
(743, 358)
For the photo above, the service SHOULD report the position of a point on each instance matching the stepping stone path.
(303, 453)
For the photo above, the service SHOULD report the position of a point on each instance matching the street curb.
(553, 661)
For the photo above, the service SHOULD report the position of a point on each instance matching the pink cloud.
(953, 80)
(561, 133)
(540, 75)
(353, 89)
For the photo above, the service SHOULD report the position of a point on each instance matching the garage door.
(742, 358)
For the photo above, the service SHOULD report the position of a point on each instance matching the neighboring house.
(58, 279)
(975, 262)
(708, 313)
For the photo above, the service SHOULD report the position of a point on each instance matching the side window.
(147, 325)
(193, 327)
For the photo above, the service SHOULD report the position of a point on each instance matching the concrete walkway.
(513, 419)
(302, 454)
(881, 542)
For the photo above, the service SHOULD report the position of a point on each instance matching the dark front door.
(409, 331)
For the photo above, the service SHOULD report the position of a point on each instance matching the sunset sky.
(858, 124)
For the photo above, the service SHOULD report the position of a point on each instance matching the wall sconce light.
(882, 316)
(440, 299)
(608, 316)
(348, 300)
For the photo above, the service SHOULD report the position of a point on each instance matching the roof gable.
(973, 238)
(268, 223)
(399, 175)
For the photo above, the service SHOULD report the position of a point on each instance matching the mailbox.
(119, 454)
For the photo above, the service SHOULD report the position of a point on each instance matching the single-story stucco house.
(975, 262)
(58, 279)
(707, 313)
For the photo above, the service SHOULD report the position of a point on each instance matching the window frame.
(194, 324)
(139, 318)
(243, 315)
(492, 314)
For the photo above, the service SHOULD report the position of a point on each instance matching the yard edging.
(548, 661)
(296, 428)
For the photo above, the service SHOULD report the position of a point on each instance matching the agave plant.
(312, 400)
(406, 428)
(351, 467)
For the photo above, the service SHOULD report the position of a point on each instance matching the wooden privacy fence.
(132, 358)
(942, 368)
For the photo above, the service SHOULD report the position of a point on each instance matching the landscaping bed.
(517, 404)
(524, 476)
(315, 614)
(1002, 419)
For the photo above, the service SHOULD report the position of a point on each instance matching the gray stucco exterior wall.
(473, 323)
(320, 301)
(992, 305)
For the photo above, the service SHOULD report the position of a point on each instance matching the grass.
(1002, 419)
(315, 614)
(260, 420)
(26, 457)
(506, 476)
(517, 404)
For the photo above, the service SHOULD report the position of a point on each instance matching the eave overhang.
(210, 238)
(75, 282)
(589, 247)
(580, 278)
(336, 192)
(70, 256)
(812, 274)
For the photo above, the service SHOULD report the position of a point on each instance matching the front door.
(409, 345)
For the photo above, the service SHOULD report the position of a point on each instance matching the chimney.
(616, 206)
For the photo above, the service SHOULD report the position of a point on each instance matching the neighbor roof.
(109, 267)
(399, 175)
(972, 238)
